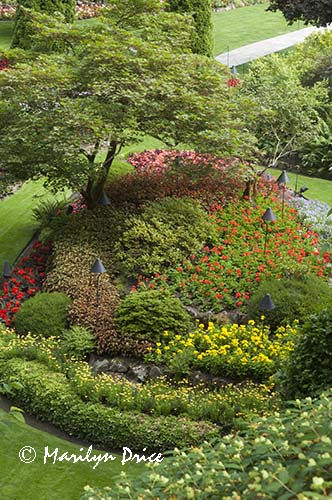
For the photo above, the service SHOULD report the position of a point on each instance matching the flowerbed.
(234, 350)
(157, 398)
(84, 10)
(160, 173)
(25, 281)
(223, 275)
(315, 215)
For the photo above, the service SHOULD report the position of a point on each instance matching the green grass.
(38, 481)
(238, 27)
(17, 224)
(319, 189)
(6, 33)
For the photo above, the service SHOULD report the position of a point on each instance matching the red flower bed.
(26, 280)
(161, 173)
(224, 274)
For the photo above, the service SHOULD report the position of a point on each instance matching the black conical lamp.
(267, 303)
(283, 178)
(6, 270)
(282, 181)
(98, 267)
(103, 200)
(269, 216)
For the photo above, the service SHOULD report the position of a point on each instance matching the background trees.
(318, 12)
(202, 41)
(69, 106)
(23, 31)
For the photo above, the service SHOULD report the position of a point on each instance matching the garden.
(175, 295)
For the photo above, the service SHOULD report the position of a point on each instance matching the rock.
(139, 372)
(119, 365)
(199, 378)
(156, 372)
(100, 365)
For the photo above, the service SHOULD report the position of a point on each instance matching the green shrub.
(308, 368)
(160, 237)
(23, 29)
(202, 41)
(49, 396)
(286, 456)
(294, 298)
(78, 341)
(44, 314)
(148, 314)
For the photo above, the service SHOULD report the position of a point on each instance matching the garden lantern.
(103, 200)
(98, 269)
(282, 181)
(268, 216)
(6, 270)
(267, 303)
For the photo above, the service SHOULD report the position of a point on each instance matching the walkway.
(263, 48)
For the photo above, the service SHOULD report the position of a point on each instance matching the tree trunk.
(95, 186)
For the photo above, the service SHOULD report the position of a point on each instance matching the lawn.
(6, 31)
(318, 189)
(238, 27)
(37, 481)
(17, 224)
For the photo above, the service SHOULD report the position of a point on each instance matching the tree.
(23, 29)
(65, 114)
(202, 41)
(290, 113)
(318, 12)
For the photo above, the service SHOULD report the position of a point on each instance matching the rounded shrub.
(308, 368)
(45, 314)
(294, 298)
(162, 235)
(149, 313)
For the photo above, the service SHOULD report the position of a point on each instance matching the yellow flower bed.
(233, 350)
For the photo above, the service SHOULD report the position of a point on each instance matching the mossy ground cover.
(37, 481)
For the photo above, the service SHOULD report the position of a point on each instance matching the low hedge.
(48, 396)
(286, 456)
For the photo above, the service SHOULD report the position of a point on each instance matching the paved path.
(263, 48)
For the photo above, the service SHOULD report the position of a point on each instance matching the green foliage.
(202, 40)
(23, 30)
(237, 351)
(44, 314)
(284, 456)
(78, 341)
(308, 369)
(149, 313)
(52, 217)
(225, 406)
(161, 236)
(295, 298)
(180, 97)
(290, 112)
(317, 12)
(49, 396)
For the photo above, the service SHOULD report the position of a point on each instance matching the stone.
(100, 365)
(156, 372)
(119, 365)
(139, 372)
